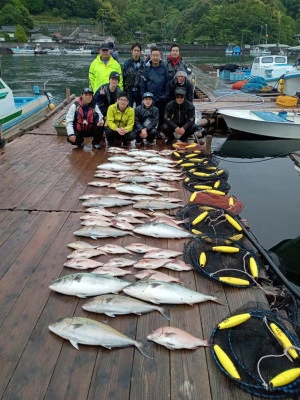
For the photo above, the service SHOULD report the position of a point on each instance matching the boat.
(259, 50)
(55, 50)
(39, 51)
(283, 125)
(80, 51)
(22, 50)
(232, 50)
(20, 112)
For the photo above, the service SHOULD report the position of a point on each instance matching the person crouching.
(179, 118)
(146, 121)
(120, 121)
(84, 119)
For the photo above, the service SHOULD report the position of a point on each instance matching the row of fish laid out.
(79, 330)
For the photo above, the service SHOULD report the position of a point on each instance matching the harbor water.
(261, 173)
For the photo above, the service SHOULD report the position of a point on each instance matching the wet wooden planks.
(39, 211)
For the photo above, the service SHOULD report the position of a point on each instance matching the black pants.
(151, 135)
(134, 96)
(96, 133)
(169, 132)
(113, 137)
(161, 105)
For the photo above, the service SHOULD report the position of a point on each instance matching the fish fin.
(141, 347)
(82, 296)
(190, 304)
(164, 313)
(110, 314)
(94, 237)
(74, 344)
(137, 313)
(155, 301)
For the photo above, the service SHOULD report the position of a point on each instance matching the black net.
(260, 345)
(207, 175)
(232, 265)
(196, 185)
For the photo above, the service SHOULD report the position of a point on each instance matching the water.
(268, 184)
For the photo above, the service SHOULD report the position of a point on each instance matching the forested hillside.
(204, 21)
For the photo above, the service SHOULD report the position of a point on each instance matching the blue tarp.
(269, 116)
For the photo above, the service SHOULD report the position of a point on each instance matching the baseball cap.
(148, 94)
(114, 74)
(181, 73)
(104, 46)
(180, 91)
(87, 90)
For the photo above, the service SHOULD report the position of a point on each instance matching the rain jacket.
(156, 81)
(115, 118)
(99, 72)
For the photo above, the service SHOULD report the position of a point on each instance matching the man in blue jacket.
(155, 80)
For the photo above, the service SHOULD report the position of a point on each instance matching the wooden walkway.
(42, 178)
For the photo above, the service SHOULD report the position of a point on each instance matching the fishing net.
(198, 163)
(207, 176)
(258, 350)
(231, 265)
(209, 223)
(193, 185)
(180, 154)
(228, 203)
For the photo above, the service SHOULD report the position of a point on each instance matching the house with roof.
(40, 38)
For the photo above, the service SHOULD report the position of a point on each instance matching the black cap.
(104, 46)
(114, 74)
(148, 94)
(181, 91)
(87, 90)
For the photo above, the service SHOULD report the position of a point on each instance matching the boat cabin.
(271, 66)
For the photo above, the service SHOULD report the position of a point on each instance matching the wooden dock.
(42, 177)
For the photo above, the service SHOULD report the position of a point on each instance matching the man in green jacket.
(101, 68)
(120, 122)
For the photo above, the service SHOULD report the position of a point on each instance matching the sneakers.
(150, 143)
(96, 146)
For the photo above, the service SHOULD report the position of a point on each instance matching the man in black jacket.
(146, 121)
(107, 94)
(179, 118)
(181, 81)
(132, 72)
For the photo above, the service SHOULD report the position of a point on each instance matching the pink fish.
(177, 265)
(95, 221)
(151, 263)
(133, 214)
(112, 271)
(120, 262)
(140, 248)
(175, 338)
(85, 253)
(130, 220)
(82, 263)
(153, 275)
(98, 183)
(101, 211)
(125, 226)
(162, 253)
(95, 216)
(113, 249)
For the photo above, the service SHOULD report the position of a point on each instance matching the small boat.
(39, 51)
(22, 50)
(232, 50)
(259, 51)
(282, 124)
(80, 51)
(55, 50)
(20, 112)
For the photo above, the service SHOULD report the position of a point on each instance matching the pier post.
(68, 94)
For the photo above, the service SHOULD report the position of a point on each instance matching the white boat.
(80, 51)
(23, 50)
(259, 51)
(284, 125)
(20, 112)
(232, 50)
(55, 50)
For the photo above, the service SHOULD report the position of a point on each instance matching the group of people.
(135, 103)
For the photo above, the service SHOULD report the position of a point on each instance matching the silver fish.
(135, 189)
(153, 275)
(154, 204)
(80, 330)
(137, 179)
(164, 292)
(97, 232)
(133, 213)
(89, 196)
(85, 253)
(112, 271)
(160, 160)
(161, 230)
(114, 304)
(142, 153)
(80, 245)
(121, 159)
(155, 168)
(87, 284)
(162, 253)
(98, 183)
(116, 167)
(95, 221)
(82, 263)
(174, 338)
(114, 249)
(106, 202)
(100, 211)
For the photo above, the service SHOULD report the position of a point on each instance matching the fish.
(136, 189)
(166, 152)
(140, 248)
(94, 217)
(80, 330)
(112, 271)
(170, 199)
(153, 204)
(154, 275)
(106, 202)
(161, 230)
(116, 167)
(142, 153)
(120, 262)
(89, 196)
(178, 265)
(115, 304)
(162, 253)
(167, 220)
(133, 213)
(137, 179)
(121, 159)
(100, 211)
(175, 338)
(122, 225)
(114, 185)
(82, 263)
(116, 150)
(85, 253)
(95, 221)
(151, 263)
(81, 245)
(164, 292)
(98, 183)
(114, 249)
(160, 160)
(98, 232)
(87, 284)
(130, 220)
(165, 188)
(155, 168)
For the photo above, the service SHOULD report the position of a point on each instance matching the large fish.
(87, 284)
(142, 153)
(153, 204)
(98, 232)
(136, 189)
(137, 179)
(160, 160)
(106, 202)
(116, 167)
(155, 168)
(112, 305)
(161, 230)
(80, 330)
(174, 338)
(163, 292)
(122, 159)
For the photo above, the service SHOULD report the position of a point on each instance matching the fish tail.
(216, 300)
(141, 347)
(164, 312)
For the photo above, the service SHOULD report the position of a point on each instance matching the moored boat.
(22, 50)
(80, 51)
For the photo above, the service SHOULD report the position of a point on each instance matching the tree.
(20, 35)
